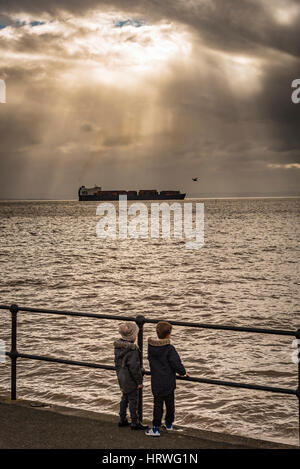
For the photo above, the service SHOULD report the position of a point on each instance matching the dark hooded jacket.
(164, 364)
(127, 363)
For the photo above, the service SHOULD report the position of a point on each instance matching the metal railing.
(140, 321)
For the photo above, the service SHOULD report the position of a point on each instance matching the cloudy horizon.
(148, 94)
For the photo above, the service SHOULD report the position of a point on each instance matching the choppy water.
(246, 274)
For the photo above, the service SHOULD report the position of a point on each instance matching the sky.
(149, 94)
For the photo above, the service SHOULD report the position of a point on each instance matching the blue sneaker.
(168, 427)
(154, 431)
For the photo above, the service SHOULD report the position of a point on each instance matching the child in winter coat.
(164, 364)
(129, 373)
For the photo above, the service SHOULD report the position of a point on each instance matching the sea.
(246, 274)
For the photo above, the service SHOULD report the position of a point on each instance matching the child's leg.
(170, 406)
(123, 406)
(157, 411)
(133, 404)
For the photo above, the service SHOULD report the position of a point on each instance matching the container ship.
(96, 193)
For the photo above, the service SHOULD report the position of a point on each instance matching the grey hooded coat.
(128, 366)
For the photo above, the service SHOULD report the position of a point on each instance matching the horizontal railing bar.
(66, 362)
(72, 313)
(228, 328)
(233, 384)
(154, 321)
(183, 378)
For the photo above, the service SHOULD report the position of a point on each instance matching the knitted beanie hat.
(128, 330)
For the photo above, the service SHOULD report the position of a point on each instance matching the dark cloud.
(223, 111)
(118, 141)
(234, 25)
(87, 127)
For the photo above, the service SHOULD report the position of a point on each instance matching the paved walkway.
(24, 426)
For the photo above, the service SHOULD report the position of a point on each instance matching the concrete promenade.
(24, 425)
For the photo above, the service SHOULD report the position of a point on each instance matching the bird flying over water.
(195, 179)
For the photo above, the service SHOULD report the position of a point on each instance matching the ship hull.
(105, 197)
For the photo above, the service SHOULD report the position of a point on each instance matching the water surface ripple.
(247, 274)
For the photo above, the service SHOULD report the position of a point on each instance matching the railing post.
(140, 321)
(13, 352)
(298, 389)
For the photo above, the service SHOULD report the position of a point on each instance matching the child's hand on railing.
(186, 375)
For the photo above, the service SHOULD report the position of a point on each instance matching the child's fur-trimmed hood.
(123, 344)
(158, 342)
